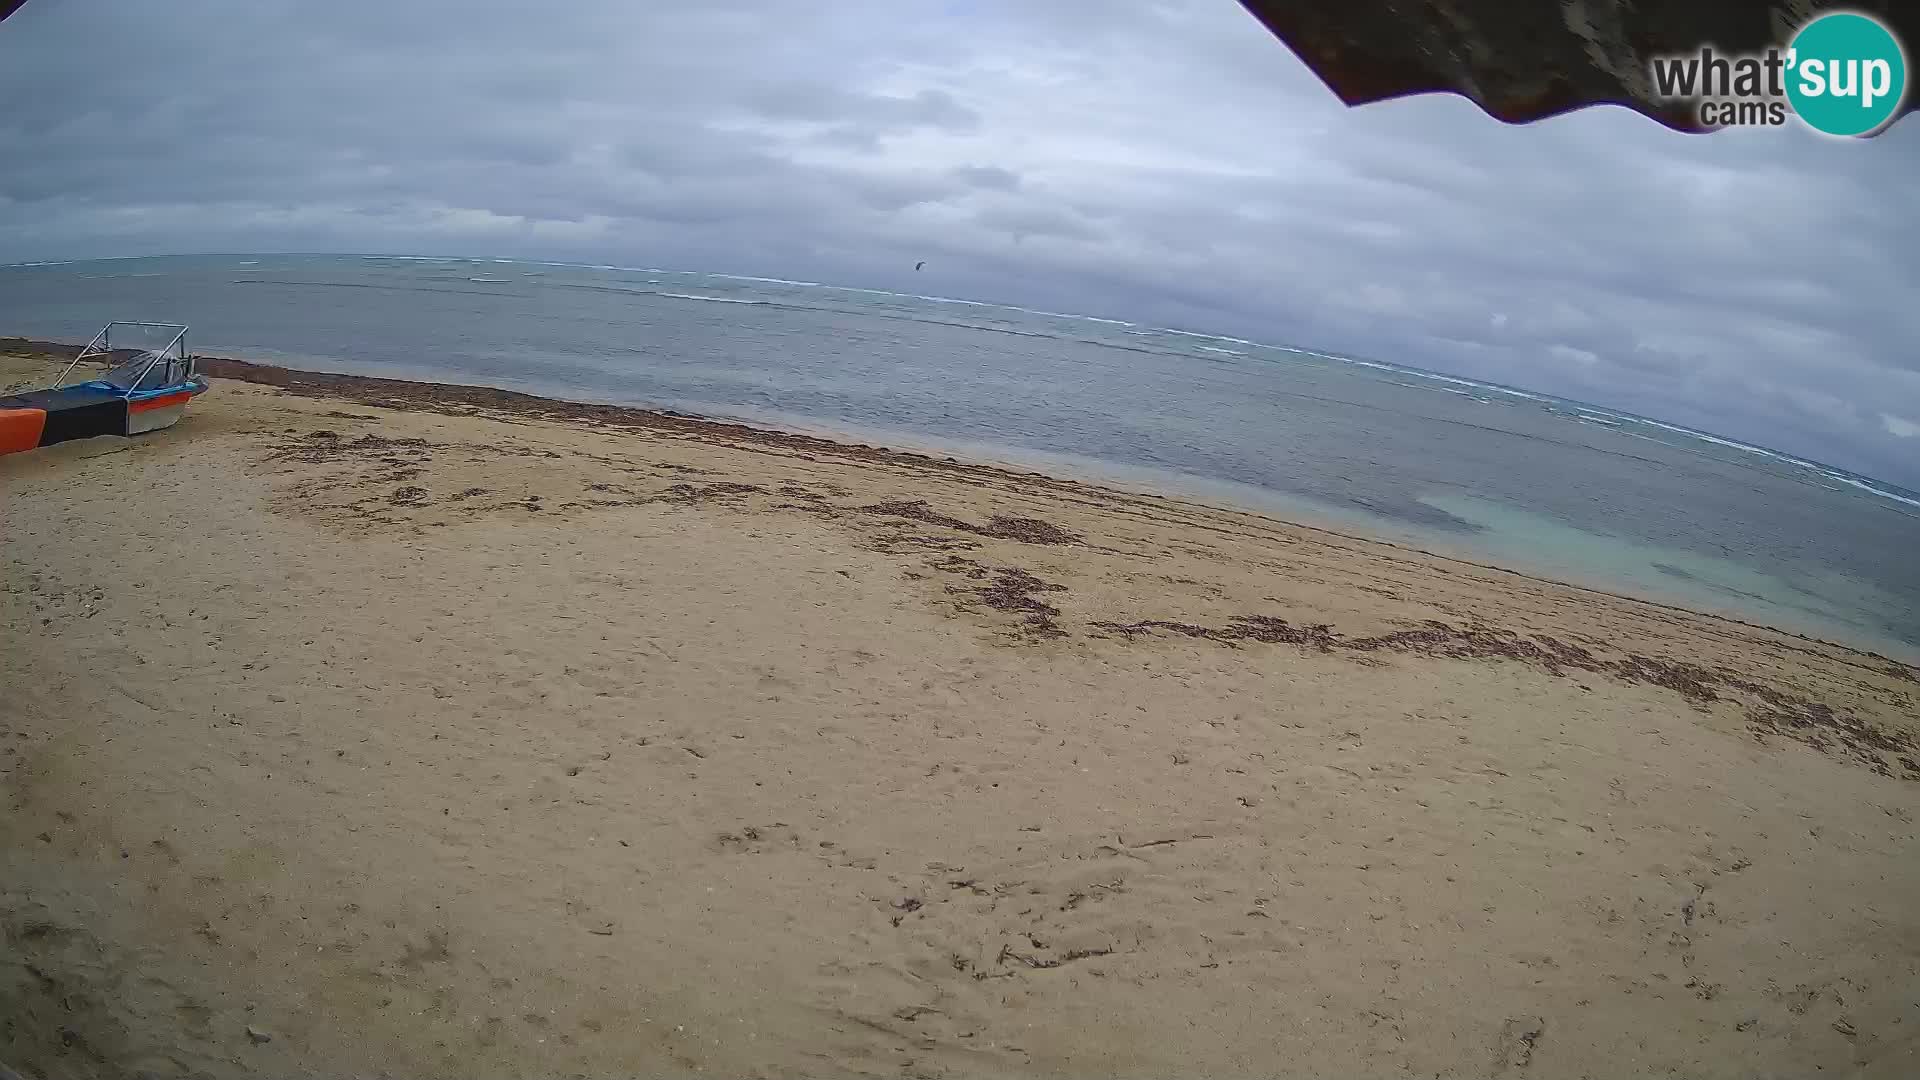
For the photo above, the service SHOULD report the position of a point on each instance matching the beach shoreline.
(520, 737)
(461, 398)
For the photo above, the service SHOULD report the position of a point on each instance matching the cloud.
(1155, 160)
(879, 113)
(987, 176)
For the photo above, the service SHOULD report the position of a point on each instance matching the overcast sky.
(1163, 161)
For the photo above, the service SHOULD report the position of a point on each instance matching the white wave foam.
(709, 299)
(1882, 492)
(1206, 337)
(1062, 315)
(1433, 375)
(916, 296)
(488, 278)
(910, 296)
(1718, 441)
(1491, 388)
(1761, 451)
(1215, 349)
(763, 280)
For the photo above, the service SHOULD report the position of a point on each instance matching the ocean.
(1496, 474)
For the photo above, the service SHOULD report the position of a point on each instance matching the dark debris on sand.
(703, 492)
(1771, 711)
(999, 527)
(1008, 588)
(323, 447)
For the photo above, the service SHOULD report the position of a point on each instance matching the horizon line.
(1541, 395)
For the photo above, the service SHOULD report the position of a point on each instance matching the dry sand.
(375, 729)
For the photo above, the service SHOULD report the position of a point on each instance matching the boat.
(147, 390)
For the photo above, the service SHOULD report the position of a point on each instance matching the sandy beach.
(367, 728)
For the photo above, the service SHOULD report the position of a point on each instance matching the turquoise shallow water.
(1496, 474)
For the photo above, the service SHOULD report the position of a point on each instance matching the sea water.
(1494, 473)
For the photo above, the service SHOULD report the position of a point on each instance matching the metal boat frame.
(174, 352)
(145, 393)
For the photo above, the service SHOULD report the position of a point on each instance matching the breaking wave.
(708, 299)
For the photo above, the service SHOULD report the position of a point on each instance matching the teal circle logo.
(1846, 74)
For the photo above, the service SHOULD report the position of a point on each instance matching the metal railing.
(102, 345)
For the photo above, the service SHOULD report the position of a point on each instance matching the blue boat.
(147, 390)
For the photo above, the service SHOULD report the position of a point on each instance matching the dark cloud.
(987, 176)
(1164, 161)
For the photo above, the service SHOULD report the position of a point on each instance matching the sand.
(355, 728)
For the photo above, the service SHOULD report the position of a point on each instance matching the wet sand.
(368, 728)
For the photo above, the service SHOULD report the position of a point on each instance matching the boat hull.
(155, 413)
(89, 410)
